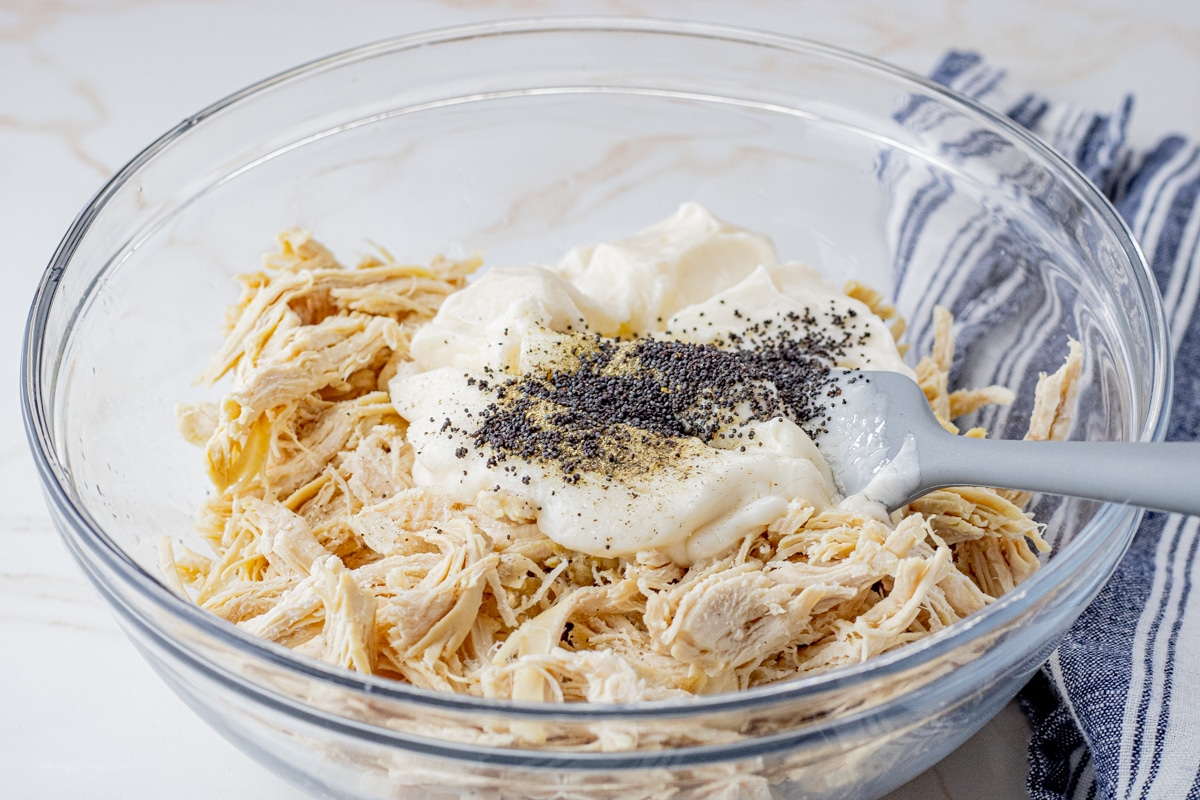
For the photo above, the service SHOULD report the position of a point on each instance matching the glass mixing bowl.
(521, 139)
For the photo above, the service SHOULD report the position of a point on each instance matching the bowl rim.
(92, 541)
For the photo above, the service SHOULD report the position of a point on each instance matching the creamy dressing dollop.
(689, 278)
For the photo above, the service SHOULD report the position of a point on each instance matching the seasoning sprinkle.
(606, 406)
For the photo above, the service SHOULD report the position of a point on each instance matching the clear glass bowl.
(522, 139)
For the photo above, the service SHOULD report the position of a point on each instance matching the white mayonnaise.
(689, 278)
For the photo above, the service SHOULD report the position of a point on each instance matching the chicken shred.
(322, 542)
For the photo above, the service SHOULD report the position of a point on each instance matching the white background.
(84, 85)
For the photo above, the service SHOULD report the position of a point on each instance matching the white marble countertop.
(85, 84)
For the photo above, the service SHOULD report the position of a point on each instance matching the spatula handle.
(1159, 475)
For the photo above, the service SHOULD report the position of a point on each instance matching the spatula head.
(873, 432)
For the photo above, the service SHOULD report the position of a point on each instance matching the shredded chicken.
(321, 541)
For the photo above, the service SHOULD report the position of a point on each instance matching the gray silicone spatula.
(886, 444)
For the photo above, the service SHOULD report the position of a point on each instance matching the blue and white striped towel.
(1115, 711)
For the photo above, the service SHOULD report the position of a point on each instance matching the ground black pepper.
(606, 405)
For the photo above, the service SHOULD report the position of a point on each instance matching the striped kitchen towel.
(1115, 710)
